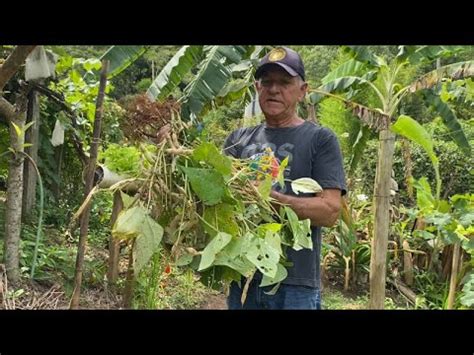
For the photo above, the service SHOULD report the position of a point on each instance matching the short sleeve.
(328, 168)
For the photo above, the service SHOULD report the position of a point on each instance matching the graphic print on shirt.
(266, 159)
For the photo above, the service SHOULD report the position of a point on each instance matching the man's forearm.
(322, 210)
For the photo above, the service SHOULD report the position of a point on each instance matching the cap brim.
(287, 68)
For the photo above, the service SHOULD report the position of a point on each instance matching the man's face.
(279, 93)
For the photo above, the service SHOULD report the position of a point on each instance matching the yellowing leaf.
(18, 130)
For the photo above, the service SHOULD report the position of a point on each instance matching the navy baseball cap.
(286, 58)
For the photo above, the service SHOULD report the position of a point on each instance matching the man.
(312, 151)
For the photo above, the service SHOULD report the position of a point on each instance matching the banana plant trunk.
(381, 219)
(454, 274)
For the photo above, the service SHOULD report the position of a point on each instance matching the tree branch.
(7, 111)
(13, 62)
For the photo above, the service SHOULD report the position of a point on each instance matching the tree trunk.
(454, 274)
(114, 244)
(15, 189)
(130, 280)
(13, 63)
(89, 184)
(14, 114)
(32, 137)
(381, 219)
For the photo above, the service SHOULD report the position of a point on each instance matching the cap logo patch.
(276, 54)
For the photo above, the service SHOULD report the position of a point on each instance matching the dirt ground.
(216, 302)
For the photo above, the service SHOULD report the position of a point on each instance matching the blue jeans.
(287, 297)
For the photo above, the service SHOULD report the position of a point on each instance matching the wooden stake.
(89, 185)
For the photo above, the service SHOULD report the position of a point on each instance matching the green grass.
(334, 299)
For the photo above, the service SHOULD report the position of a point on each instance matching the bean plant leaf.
(214, 246)
(301, 230)
(233, 256)
(263, 256)
(265, 187)
(281, 172)
(147, 243)
(137, 223)
(280, 275)
(209, 153)
(208, 184)
(305, 185)
(222, 218)
(467, 298)
(129, 223)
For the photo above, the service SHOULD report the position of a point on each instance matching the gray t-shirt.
(313, 151)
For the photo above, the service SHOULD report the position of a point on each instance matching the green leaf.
(28, 125)
(184, 260)
(137, 223)
(233, 256)
(92, 64)
(213, 75)
(467, 219)
(263, 256)
(280, 275)
(129, 222)
(362, 54)
(270, 227)
(424, 197)
(443, 206)
(450, 120)
(265, 187)
(222, 218)
(427, 54)
(208, 184)
(121, 57)
(281, 172)
(424, 234)
(273, 239)
(305, 185)
(358, 148)
(147, 243)
(350, 68)
(409, 128)
(209, 153)
(214, 246)
(301, 230)
(233, 90)
(126, 199)
(174, 71)
(467, 297)
(343, 83)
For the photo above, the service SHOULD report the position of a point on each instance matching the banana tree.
(366, 71)
(223, 74)
(121, 57)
